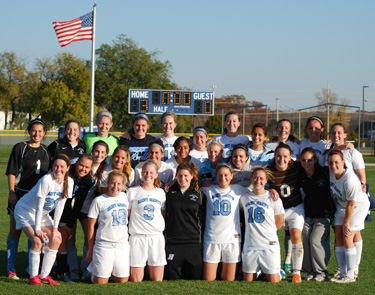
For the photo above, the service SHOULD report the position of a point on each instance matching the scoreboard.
(156, 101)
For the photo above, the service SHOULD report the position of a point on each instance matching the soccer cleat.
(12, 275)
(337, 275)
(282, 274)
(64, 277)
(86, 276)
(74, 275)
(309, 277)
(286, 268)
(49, 280)
(320, 278)
(345, 279)
(35, 281)
(296, 278)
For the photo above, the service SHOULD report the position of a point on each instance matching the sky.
(260, 49)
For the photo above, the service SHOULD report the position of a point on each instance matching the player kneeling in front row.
(263, 218)
(32, 216)
(109, 250)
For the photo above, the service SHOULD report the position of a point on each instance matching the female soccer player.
(207, 171)
(230, 136)
(284, 135)
(222, 235)
(240, 162)
(32, 216)
(319, 209)
(314, 129)
(28, 162)
(139, 139)
(99, 153)
(351, 209)
(155, 153)
(354, 161)
(183, 226)
(168, 123)
(146, 226)
(285, 181)
(109, 249)
(260, 155)
(263, 218)
(84, 183)
(121, 161)
(199, 151)
(182, 146)
(104, 123)
(70, 145)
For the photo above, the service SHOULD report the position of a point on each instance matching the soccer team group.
(173, 209)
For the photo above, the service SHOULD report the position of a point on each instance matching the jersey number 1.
(222, 207)
(119, 217)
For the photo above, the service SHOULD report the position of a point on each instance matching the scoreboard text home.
(156, 101)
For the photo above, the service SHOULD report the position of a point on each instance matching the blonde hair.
(267, 171)
(215, 142)
(157, 181)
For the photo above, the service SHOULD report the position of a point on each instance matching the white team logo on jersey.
(193, 197)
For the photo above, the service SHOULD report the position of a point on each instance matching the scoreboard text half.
(180, 102)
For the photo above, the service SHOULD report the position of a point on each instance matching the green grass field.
(364, 284)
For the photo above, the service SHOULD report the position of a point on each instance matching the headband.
(64, 158)
(36, 121)
(143, 116)
(101, 143)
(200, 129)
(108, 114)
(317, 119)
(336, 152)
(240, 146)
(150, 163)
(224, 165)
(158, 145)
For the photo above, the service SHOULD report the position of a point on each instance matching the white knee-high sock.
(48, 261)
(297, 257)
(340, 258)
(34, 260)
(351, 259)
(288, 248)
(359, 246)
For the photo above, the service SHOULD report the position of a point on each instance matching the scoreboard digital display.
(156, 101)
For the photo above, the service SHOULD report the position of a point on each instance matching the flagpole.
(92, 84)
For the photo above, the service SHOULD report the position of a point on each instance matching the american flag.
(74, 30)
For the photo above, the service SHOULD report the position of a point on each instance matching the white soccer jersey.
(173, 163)
(165, 174)
(294, 146)
(47, 192)
(168, 142)
(108, 169)
(260, 211)
(243, 176)
(223, 214)
(319, 147)
(353, 159)
(146, 206)
(112, 217)
(229, 142)
(347, 188)
(201, 156)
